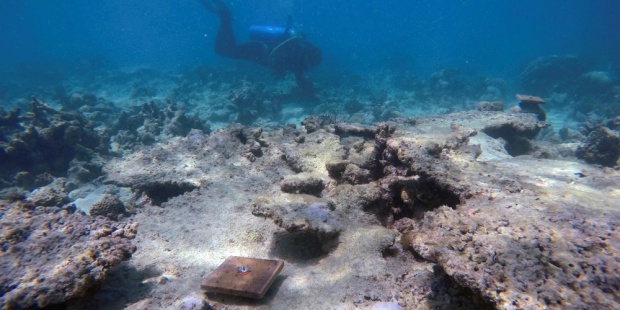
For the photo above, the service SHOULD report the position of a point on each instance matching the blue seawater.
(495, 37)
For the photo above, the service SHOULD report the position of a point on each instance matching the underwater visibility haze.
(449, 154)
(424, 36)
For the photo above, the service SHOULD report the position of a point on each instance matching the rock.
(490, 106)
(356, 175)
(384, 305)
(570, 135)
(149, 123)
(533, 107)
(24, 179)
(48, 196)
(302, 184)
(549, 74)
(291, 156)
(359, 130)
(109, 206)
(47, 143)
(596, 82)
(365, 154)
(312, 123)
(10, 119)
(485, 242)
(614, 124)
(78, 100)
(61, 254)
(602, 147)
(82, 171)
(336, 168)
(366, 197)
(517, 133)
(194, 303)
(315, 218)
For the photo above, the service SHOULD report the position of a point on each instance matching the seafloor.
(125, 189)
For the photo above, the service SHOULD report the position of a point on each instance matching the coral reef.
(109, 206)
(602, 147)
(440, 193)
(167, 181)
(61, 254)
(477, 243)
(149, 123)
(570, 83)
(46, 141)
(49, 142)
(549, 74)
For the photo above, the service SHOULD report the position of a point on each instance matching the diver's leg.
(225, 42)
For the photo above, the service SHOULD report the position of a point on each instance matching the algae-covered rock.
(316, 217)
(490, 106)
(302, 184)
(356, 175)
(60, 254)
(336, 168)
(48, 196)
(602, 147)
(109, 206)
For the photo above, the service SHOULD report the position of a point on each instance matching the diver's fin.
(208, 5)
(216, 6)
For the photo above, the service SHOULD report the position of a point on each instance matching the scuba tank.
(267, 33)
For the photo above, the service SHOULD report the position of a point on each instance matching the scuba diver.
(279, 48)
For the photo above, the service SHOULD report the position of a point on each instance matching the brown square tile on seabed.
(227, 279)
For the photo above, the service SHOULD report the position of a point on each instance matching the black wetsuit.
(289, 54)
(226, 44)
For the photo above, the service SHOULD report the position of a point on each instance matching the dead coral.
(109, 206)
(302, 184)
(316, 219)
(61, 254)
(488, 253)
(602, 147)
(46, 144)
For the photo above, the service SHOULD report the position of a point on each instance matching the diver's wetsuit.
(290, 54)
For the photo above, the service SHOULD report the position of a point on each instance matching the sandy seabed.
(424, 213)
